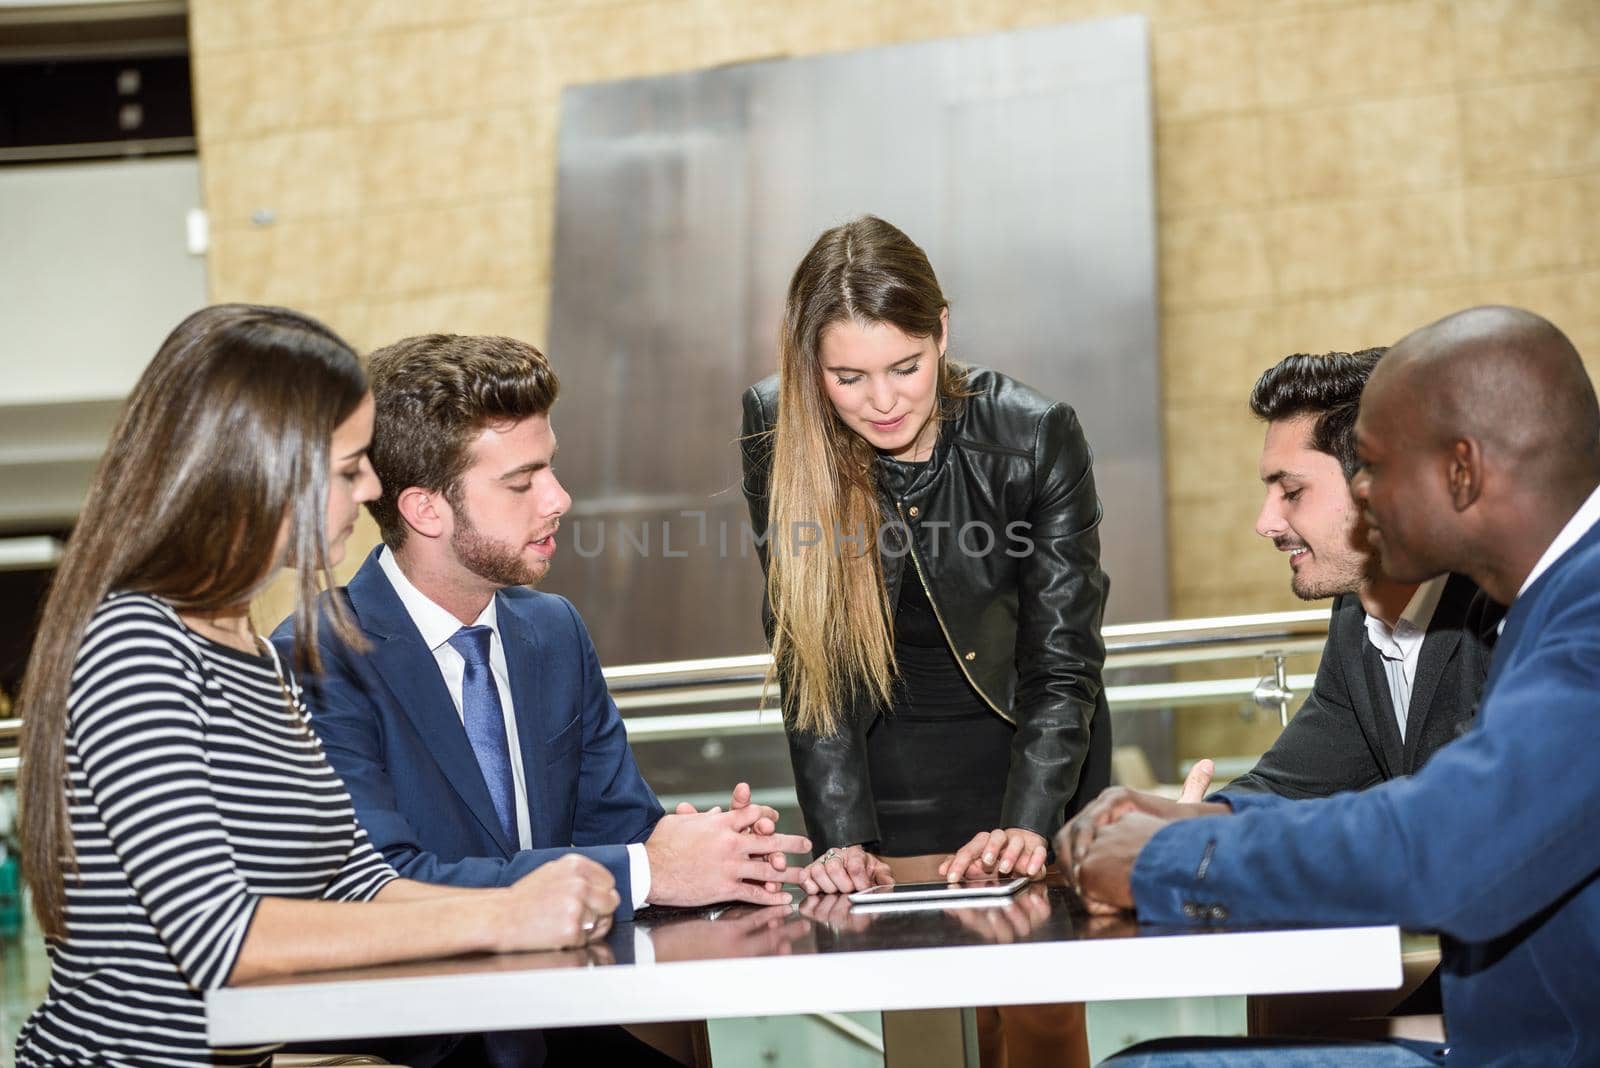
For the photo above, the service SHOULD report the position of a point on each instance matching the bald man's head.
(1510, 379)
(1467, 424)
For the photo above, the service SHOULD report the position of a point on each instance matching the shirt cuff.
(639, 874)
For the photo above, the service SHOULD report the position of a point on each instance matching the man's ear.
(1465, 473)
(425, 511)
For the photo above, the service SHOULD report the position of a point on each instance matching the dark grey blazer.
(1345, 737)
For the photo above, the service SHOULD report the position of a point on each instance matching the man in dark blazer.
(1479, 442)
(1346, 735)
(465, 711)
(1428, 642)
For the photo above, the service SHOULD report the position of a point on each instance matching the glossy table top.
(816, 955)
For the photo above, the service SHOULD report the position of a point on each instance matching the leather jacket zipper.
(911, 547)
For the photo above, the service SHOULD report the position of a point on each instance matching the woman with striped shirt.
(182, 828)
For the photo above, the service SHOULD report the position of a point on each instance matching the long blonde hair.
(833, 624)
(222, 444)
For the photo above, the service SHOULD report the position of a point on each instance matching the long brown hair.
(221, 450)
(832, 634)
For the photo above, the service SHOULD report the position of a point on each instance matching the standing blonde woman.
(934, 591)
(182, 828)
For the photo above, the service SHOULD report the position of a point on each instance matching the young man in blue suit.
(1479, 442)
(475, 733)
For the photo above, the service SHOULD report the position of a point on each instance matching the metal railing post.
(1273, 690)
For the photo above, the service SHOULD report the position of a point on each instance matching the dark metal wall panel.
(1020, 161)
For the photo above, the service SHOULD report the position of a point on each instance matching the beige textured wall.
(1331, 173)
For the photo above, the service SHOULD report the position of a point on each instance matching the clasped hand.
(1097, 850)
(697, 858)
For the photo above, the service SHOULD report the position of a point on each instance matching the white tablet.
(991, 887)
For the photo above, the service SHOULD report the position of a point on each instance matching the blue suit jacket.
(392, 732)
(1492, 844)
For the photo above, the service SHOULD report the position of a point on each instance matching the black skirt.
(938, 757)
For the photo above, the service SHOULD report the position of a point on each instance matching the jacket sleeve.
(1060, 603)
(830, 773)
(1494, 830)
(347, 723)
(1323, 751)
(616, 804)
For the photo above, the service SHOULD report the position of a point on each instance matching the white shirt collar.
(1412, 626)
(1587, 515)
(435, 624)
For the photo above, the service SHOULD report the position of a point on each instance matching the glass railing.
(1258, 663)
(697, 726)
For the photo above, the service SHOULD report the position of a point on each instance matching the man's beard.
(490, 560)
(1338, 580)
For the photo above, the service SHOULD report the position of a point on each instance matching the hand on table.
(1116, 804)
(844, 871)
(997, 852)
(697, 858)
(1118, 801)
(767, 824)
(567, 902)
(1103, 875)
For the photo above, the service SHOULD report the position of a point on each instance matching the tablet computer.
(990, 887)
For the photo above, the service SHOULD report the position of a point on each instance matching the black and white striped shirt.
(195, 790)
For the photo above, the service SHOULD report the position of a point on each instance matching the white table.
(818, 957)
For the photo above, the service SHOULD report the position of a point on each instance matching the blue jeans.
(1277, 1053)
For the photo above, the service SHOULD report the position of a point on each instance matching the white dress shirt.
(1401, 645)
(437, 626)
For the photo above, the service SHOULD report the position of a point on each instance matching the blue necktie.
(485, 721)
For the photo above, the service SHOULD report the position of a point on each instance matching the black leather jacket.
(1022, 618)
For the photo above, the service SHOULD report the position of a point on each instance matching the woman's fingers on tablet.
(966, 857)
(994, 846)
(1011, 855)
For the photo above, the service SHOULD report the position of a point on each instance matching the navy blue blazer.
(1492, 844)
(392, 733)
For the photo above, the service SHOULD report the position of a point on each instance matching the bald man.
(1479, 444)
